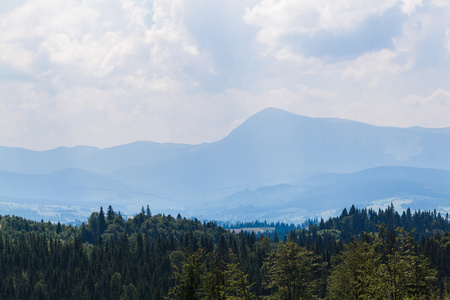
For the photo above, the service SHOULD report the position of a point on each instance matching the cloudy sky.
(109, 72)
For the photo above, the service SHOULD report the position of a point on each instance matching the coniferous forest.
(361, 254)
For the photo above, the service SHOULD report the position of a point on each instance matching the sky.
(109, 72)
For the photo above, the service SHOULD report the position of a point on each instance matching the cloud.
(409, 6)
(285, 17)
(358, 40)
(94, 40)
(371, 66)
(440, 97)
(104, 73)
(87, 68)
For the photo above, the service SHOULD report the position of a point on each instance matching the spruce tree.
(292, 272)
(101, 221)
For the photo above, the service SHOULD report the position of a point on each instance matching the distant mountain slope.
(276, 143)
(336, 145)
(72, 194)
(18, 160)
(445, 130)
(267, 164)
(64, 185)
(414, 187)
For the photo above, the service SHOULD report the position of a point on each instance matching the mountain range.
(275, 166)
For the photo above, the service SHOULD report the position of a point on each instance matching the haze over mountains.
(275, 166)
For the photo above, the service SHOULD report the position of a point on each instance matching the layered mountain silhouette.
(274, 165)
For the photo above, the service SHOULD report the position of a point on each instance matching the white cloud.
(440, 97)
(280, 18)
(109, 72)
(94, 68)
(371, 66)
(95, 39)
(408, 6)
(299, 32)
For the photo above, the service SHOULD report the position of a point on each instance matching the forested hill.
(156, 257)
(354, 222)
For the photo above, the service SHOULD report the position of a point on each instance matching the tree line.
(361, 254)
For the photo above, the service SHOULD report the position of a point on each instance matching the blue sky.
(104, 73)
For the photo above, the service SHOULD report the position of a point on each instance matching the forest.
(360, 254)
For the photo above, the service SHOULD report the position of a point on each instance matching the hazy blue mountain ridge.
(59, 185)
(325, 195)
(275, 164)
(275, 143)
(18, 160)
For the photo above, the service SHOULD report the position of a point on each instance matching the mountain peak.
(280, 115)
(277, 122)
(272, 112)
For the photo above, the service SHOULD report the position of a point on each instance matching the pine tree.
(213, 283)
(356, 276)
(101, 221)
(110, 213)
(387, 268)
(131, 293)
(236, 282)
(292, 272)
(404, 274)
(116, 285)
(188, 277)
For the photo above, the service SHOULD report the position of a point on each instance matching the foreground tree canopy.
(162, 257)
(384, 266)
